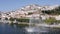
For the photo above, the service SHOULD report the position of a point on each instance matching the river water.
(14, 29)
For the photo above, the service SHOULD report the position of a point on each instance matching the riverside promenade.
(43, 25)
(51, 26)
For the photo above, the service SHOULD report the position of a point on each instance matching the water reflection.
(14, 29)
(11, 29)
(50, 31)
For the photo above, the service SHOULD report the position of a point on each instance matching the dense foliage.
(19, 19)
(30, 13)
(55, 11)
(52, 21)
(11, 19)
(6, 18)
(22, 20)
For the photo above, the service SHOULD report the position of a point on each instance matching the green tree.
(58, 21)
(11, 19)
(50, 21)
(30, 13)
(22, 20)
(6, 18)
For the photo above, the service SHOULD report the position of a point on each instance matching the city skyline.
(7, 5)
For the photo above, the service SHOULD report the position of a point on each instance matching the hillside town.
(28, 11)
(29, 16)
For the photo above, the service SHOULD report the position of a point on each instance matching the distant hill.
(33, 9)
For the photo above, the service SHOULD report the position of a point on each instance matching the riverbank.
(40, 25)
(49, 26)
(27, 24)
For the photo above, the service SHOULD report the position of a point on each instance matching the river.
(14, 29)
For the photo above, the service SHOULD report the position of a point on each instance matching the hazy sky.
(6, 5)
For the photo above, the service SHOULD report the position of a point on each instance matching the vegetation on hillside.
(55, 11)
(22, 20)
(19, 19)
(6, 18)
(11, 19)
(52, 21)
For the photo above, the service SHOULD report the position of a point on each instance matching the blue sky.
(7, 5)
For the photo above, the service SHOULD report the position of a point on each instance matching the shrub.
(22, 20)
(6, 18)
(50, 21)
(30, 13)
(11, 19)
